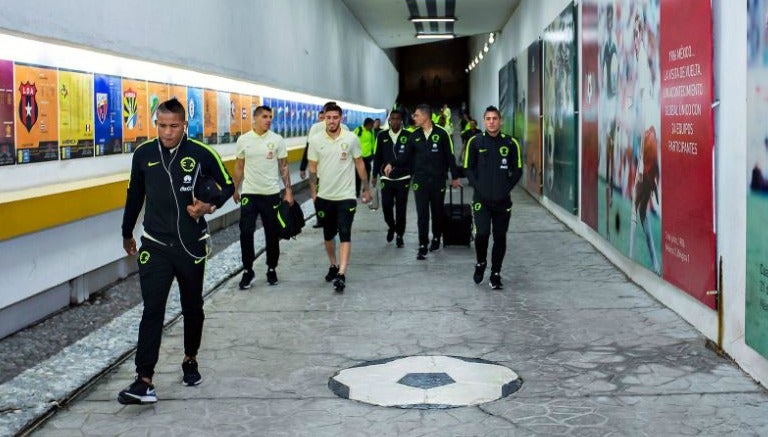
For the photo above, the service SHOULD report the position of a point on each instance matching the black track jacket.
(389, 152)
(493, 165)
(430, 158)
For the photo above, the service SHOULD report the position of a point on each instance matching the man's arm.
(377, 156)
(285, 174)
(363, 175)
(237, 177)
(134, 200)
(516, 170)
(451, 161)
(304, 162)
(312, 167)
(470, 161)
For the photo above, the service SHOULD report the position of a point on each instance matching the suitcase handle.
(450, 195)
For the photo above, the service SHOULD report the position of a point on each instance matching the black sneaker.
(495, 281)
(191, 374)
(138, 393)
(422, 253)
(479, 272)
(271, 276)
(247, 279)
(332, 272)
(399, 241)
(339, 283)
(390, 235)
(317, 225)
(434, 245)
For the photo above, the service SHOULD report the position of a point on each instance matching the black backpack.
(291, 219)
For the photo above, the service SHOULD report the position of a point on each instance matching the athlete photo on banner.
(158, 93)
(533, 153)
(107, 121)
(756, 178)
(505, 96)
(76, 136)
(135, 114)
(235, 110)
(210, 117)
(195, 113)
(559, 106)
(294, 108)
(178, 92)
(224, 111)
(36, 108)
(7, 146)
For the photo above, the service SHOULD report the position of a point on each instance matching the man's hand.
(366, 196)
(288, 197)
(302, 174)
(198, 208)
(236, 196)
(373, 182)
(387, 169)
(456, 183)
(129, 244)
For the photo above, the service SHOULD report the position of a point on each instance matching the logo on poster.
(130, 108)
(28, 105)
(102, 102)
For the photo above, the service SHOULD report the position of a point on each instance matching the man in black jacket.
(493, 164)
(167, 173)
(390, 145)
(429, 153)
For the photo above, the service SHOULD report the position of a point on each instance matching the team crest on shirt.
(187, 164)
(403, 140)
(270, 150)
(344, 148)
(435, 138)
(504, 151)
(28, 105)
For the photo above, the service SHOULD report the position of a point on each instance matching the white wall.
(730, 69)
(315, 47)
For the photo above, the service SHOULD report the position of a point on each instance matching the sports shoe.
(191, 374)
(479, 272)
(332, 272)
(399, 241)
(271, 276)
(495, 281)
(434, 245)
(317, 225)
(422, 253)
(339, 283)
(138, 393)
(390, 235)
(247, 279)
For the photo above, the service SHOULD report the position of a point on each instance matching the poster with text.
(558, 109)
(157, 93)
(224, 111)
(7, 145)
(108, 121)
(180, 93)
(37, 124)
(236, 120)
(686, 147)
(533, 153)
(135, 114)
(504, 95)
(210, 117)
(756, 178)
(76, 137)
(589, 83)
(195, 113)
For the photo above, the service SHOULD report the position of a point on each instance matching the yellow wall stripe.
(28, 211)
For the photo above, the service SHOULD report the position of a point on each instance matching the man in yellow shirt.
(367, 147)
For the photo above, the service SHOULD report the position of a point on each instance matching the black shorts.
(337, 217)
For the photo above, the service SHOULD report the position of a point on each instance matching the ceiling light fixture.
(491, 38)
(435, 36)
(485, 48)
(432, 19)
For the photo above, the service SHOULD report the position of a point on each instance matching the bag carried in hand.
(291, 219)
(374, 203)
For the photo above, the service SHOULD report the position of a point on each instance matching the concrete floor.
(598, 356)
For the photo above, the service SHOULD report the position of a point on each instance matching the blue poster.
(108, 122)
(195, 113)
(279, 117)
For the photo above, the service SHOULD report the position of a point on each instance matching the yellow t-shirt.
(335, 163)
(261, 152)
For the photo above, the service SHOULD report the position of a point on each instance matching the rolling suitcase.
(457, 224)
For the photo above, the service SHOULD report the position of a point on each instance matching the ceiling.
(387, 20)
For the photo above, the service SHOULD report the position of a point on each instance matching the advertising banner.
(210, 117)
(756, 314)
(158, 93)
(533, 153)
(589, 147)
(135, 114)
(236, 119)
(107, 122)
(195, 113)
(559, 105)
(36, 107)
(76, 136)
(7, 145)
(224, 111)
(180, 93)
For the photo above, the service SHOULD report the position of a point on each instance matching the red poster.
(7, 148)
(589, 94)
(687, 142)
(533, 156)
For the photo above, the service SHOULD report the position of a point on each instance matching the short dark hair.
(260, 109)
(367, 121)
(327, 104)
(425, 108)
(492, 109)
(333, 107)
(173, 106)
(396, 111)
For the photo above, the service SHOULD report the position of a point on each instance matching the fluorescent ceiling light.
(432, 19)
(435, 35)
